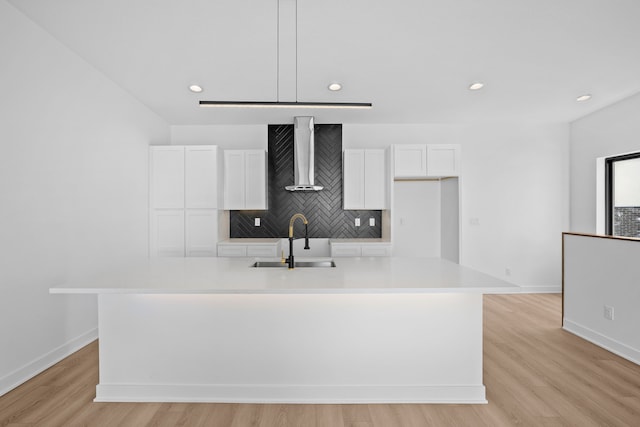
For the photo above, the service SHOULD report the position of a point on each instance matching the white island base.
(370, 330)
(299, 348)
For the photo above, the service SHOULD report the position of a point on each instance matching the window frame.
(608, 187)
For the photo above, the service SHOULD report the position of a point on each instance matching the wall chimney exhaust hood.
(287, 71)
(303, 155)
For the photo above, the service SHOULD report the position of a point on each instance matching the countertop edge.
(370, 291)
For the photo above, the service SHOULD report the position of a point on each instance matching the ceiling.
(413, 59)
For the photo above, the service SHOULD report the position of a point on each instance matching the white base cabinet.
(270, 248)
(360, 249)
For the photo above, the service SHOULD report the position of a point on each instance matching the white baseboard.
(268, 393)
(541, 289)
(33, 368)
(615, 347)
(532, 290)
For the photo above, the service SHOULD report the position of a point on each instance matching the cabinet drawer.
(262, 250)
(376, 250)
(345, 250)
(232, 250)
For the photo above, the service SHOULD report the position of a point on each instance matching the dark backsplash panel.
(322, 208)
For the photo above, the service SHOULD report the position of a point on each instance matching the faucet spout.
(306, 236)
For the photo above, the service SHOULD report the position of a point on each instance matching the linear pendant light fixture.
(287, 73)
(279, 104)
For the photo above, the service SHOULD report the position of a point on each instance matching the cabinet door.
(201, 228)
(167, 177)
(234, 180)
(167, 233)
(353, 185)
(410, 160)
(232, 250)
(201, 179)
(443, 160)
(375, 180)
(376, 250)
(346, 250)
(262, 250)
(255, 164)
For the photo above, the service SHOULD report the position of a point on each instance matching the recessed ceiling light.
(335, 86)
(195, 88)
(583, 98)
(476, 86)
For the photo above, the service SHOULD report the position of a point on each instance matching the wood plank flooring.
(536, 374)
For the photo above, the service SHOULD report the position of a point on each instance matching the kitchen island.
(217, 330)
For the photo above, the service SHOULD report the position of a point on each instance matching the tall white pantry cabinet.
(184, 200)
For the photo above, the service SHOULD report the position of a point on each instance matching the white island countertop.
(236, 276)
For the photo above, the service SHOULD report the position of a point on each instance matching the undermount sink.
(297, 264)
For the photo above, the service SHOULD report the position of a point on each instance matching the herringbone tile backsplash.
(322, 208)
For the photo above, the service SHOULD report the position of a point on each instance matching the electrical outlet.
(507, 272)
(357, 222)
(608, 312)
(256, 222)
(372, 222)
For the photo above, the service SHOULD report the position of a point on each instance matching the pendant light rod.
(287, 69)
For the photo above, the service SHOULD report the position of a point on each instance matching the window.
(622, 187)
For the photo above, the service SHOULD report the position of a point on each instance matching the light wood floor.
(535, 373)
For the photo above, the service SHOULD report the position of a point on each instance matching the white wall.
(603, 272)
(608, 132)
(515, 183)
(226, 137)
(73, 191)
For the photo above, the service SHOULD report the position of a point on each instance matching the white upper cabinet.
(375, 179)
(443, 160)
(410, 160)
(255, 184)
(201, 177)
(426, 160)
(245, 180)
(234, 179)
(353, 179)
(167, 177)
(365, 179)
